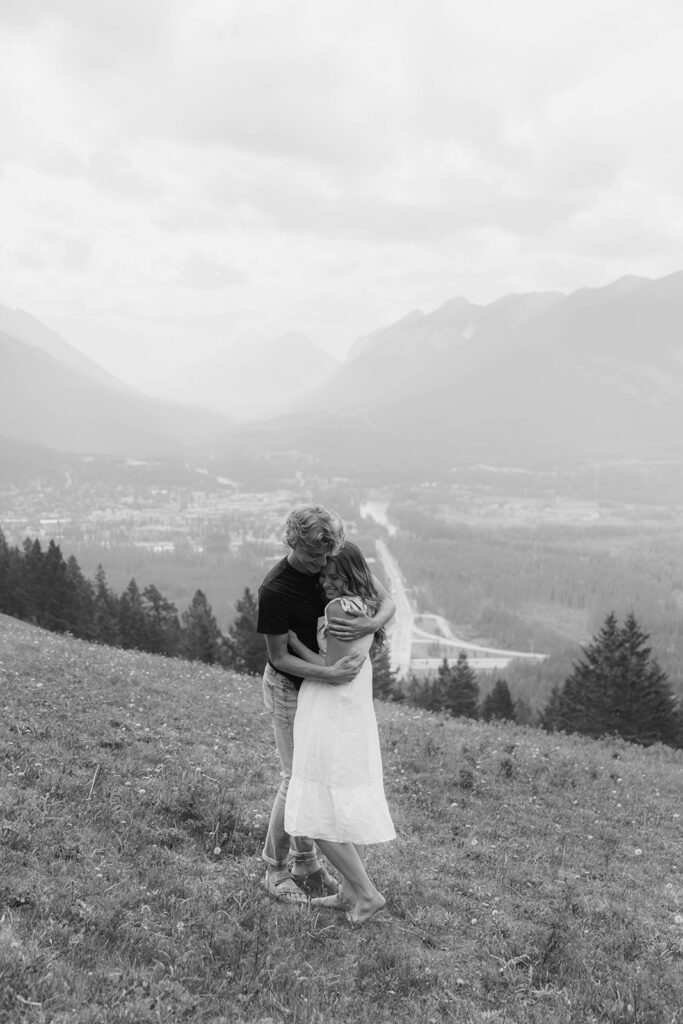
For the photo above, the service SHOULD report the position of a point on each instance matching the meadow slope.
(535, 878)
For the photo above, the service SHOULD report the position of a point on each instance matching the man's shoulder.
(275, 573)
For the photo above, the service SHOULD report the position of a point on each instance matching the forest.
(43, 587)
(222, 574)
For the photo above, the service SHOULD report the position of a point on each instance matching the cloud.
(78, 251)
(123, 175)
(257, 167)
(201, 271)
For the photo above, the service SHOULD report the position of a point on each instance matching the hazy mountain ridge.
(45, 402)
(598, 373)
(529, 378)
(23, 327)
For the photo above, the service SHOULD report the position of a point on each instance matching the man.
(290, 598)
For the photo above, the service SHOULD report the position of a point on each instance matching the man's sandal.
(282, 886)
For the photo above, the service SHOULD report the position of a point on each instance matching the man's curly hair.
(314, 526)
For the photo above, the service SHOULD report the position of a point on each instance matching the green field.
(536, 878)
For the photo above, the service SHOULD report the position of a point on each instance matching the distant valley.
(530, 562)
(528, 456)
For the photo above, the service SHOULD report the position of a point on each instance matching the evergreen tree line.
(42, 587)
(617, 688)
(455, 692)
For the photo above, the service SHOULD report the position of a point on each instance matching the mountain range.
(530, 378)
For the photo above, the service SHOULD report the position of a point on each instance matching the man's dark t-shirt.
(288, 599)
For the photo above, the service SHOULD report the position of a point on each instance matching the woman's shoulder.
(350, 604)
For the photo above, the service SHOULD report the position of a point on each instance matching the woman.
(336, 793)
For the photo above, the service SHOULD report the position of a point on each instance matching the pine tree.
(80, 610)
(201, 638)
(617, 688)
(461, 696)
(647, 710)
(244, 649)
(105, 611)
(551, 716)
(29, 591)
(54, 611)
(162, 625)
(423, 692)
(7, 580)
(498, 703)
(132, 623)
(438, 688)
(383, 676)
(524, 715)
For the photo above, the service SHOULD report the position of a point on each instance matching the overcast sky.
(179, 175)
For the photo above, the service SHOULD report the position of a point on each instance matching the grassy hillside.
(535, 878)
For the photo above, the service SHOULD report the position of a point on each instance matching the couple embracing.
(320, 609)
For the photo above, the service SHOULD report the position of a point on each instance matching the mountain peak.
(18, 324)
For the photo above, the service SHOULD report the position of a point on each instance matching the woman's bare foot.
(365, 909)
(336, 901)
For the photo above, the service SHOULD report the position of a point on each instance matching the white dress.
(336, 791)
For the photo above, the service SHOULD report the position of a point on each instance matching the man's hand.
(351, 629)
(344, 670)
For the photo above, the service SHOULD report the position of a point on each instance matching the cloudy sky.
(181, 175)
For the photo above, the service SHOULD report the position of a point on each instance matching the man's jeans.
(280, 698)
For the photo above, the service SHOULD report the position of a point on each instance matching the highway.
(449, 640)
(401, 628)
(403, 631)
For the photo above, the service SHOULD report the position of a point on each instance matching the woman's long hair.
(355, 574)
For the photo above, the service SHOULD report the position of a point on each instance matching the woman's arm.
(342, 671)
(362, 625)
(302, 651)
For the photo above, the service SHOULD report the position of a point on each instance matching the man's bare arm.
(302, 651)
(342, 671)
